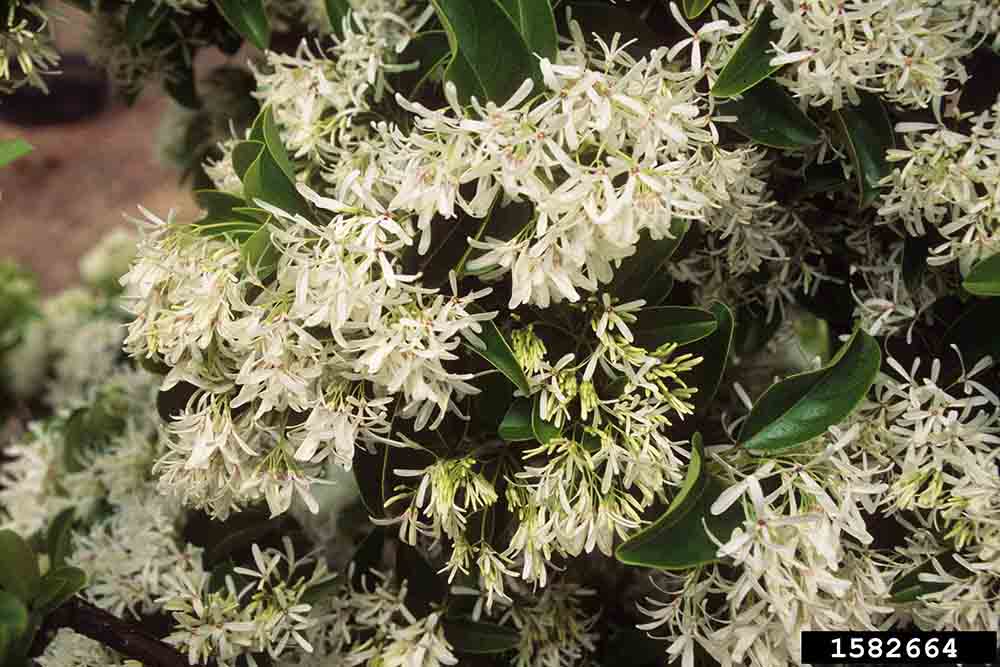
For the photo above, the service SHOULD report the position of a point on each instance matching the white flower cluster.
(582, 488)
(947, 181)
(338, 333)
(907, 51)
(802, 560)
(27, 53)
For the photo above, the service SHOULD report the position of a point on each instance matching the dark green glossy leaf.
(497, 351)
(258, 252)
(244, 155)
(649, 542)
(868, 133)
(644, 275)
(238, 230)
(13, 614)
(248, 18)
(828, 177)
(767, 114)
(19, 574)
(496, 55)
(684, 543)
(431, 52)
(336, 11)
(516, 424)
(58, 538)
(265, 130)
(59, 585)
(536, 23)
(750, 62)
(265, 180)
(804, 406)
(12, 149)
(142, 19)
(472, 637)
(714, 351)
(909, 587)
(671, 324)
(220, 205)
(984, 278)
(694, 8)
(542, 430)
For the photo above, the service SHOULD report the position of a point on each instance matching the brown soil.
(81, 181)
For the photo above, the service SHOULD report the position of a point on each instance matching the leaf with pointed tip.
(984, 278)
(804, 406)
(58, 538)
(248, 18)
(542, 430)
(767, 114)
(474, 637)
(868, 133)
(660, 325)
(644, 274)
(336, 11)
(258, 252)
(19, 572)
(694, 8)
(714, 351)
(497, 60)
(244, 154)
(12, 149)
(265, 130)
(909, 587)
(516, 424)
(59, 585)
(681, 541)
(536, 23)
(750, 63)
(496, 350)
(649, 541)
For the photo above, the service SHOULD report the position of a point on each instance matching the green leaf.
(336, 11)
(19, 572)
(431, 52)
(497, 56)
(694, 8)
(476, 638)
(265, 180)
(684, 543)
(59, 585)
(803, 406)
(218, 204)
(767, 114)
(248, 18)
(909, 587)
(671, 324)
(12, 149)
(714, 351)
(644, 274)
(984, 278)
(516, 424)
(828, 177)
(496, 350)
(649, 542)
(258, 252)
(244, 155)
(536, 23)
(750, 62)
(58, 539)
(142, 19)
(541, 429)
(868, 133)
(13, 614)
(974, 330)
(265, 130)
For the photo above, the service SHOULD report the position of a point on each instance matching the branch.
(129, 639)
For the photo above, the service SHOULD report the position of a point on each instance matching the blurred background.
(85, 177)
